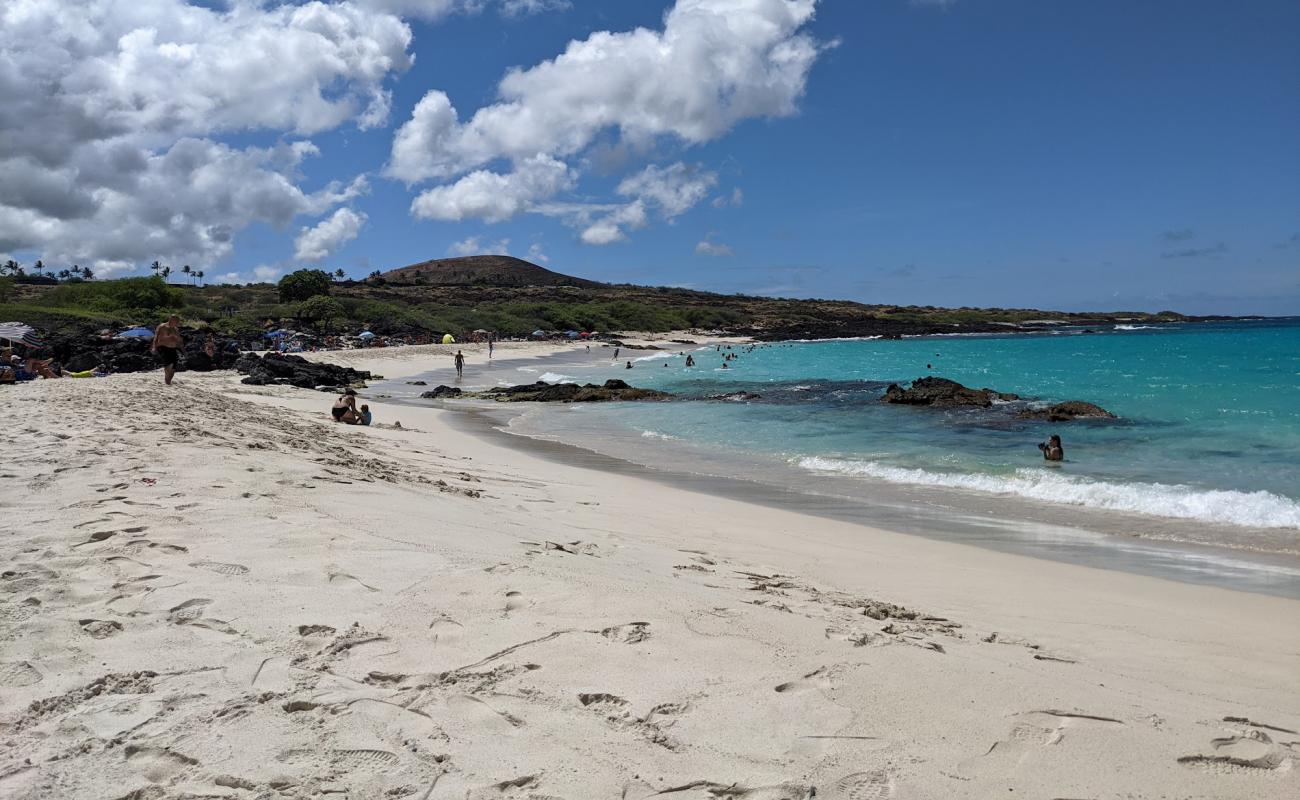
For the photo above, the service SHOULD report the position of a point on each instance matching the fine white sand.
(211, 590)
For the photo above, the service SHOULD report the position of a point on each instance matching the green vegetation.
(303, 284)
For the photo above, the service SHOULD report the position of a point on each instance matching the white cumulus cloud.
(474, 246)
(493, 196)
(113, 109)
(331, 233)
(714, 64)
(707, 247)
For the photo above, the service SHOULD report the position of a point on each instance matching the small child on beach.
(365, 415)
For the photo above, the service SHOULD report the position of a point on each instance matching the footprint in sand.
(516, 601)
(1032, 731)
(1245, 751)
(371, 761)
(19, 673)
(610, 705)
(221, 568)
(815, 681)
(100, 628)
(873, 785)
(446, 630)
(188, 611)
(627, 633)
(158, 764)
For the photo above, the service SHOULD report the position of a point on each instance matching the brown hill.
(482, 271)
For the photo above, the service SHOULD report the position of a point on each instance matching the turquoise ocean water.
(1209, 428)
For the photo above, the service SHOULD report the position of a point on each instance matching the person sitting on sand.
(1052, 450)
(366, 416)
(345, 408)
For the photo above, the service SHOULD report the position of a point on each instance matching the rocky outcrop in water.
(541, 392)
(291, 370)
(1064, 412)
(943, 393)
(439, 392)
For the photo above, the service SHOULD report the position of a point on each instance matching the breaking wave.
(1255, 509)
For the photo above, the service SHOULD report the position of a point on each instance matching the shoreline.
(1060, 532)
(226, 594)
(1264, 572)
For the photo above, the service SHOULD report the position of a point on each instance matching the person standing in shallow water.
(1052, 450)
(460, 364)
(167, 343)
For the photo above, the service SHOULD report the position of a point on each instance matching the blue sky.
(1110, 155)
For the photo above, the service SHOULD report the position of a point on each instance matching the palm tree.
(11, 267)
(87, 273)
(156, 267)
(186, 269)
(39, 266)
(340, 274)
(76, 269)
(166, 272)
(199, 275)
(64, 274)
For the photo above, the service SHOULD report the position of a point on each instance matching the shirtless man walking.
(167, 344)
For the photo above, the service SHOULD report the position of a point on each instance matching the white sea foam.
(1257, 509)
(555, 377)
(658, 435)
(1135, 327)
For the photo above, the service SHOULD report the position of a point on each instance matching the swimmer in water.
(1052, 450)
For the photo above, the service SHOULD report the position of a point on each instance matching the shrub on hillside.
(125, 294)
(303, 284)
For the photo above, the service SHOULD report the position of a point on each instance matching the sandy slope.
(213, 591)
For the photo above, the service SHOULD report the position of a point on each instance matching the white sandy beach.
(211, 590)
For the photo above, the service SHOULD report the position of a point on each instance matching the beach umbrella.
(447, 338)
(365, 335)
(19, 332)
(278, 334)
(571, 334)
(539, 333)
(135, 333)
(479, 330)
(584, 334)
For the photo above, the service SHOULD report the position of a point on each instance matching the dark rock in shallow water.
(735, 397)
(416, 383)
(541, 392)
(291, 370)
(442, 391)
(1064, 412)
(943, 393)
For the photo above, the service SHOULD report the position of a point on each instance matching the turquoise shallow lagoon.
(1209, 428)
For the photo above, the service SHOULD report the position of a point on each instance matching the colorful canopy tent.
(447, 338)
(19, 332)
(135, 333)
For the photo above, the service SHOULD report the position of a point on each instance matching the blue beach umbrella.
(365, 335)
(135, 333)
